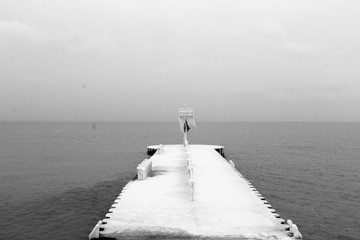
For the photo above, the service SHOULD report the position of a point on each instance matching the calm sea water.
(57, 179)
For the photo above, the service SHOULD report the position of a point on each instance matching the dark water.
(58, 179)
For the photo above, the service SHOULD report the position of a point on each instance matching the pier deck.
(216, 203)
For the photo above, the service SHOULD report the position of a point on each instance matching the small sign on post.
(186, 119)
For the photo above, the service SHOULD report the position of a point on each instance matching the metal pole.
(185, 138)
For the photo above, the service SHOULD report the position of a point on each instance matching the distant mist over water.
(57, 179)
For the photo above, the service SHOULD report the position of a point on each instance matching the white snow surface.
(221, 204)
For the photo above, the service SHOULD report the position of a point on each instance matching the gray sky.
(141, 60)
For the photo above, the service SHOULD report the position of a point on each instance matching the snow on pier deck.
(219, 204)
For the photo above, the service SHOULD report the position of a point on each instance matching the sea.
(57, 179)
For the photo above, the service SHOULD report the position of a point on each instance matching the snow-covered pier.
(191, 191)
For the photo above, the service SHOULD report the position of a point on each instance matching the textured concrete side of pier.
(192, 192)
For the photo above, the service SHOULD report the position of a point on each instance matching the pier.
(191, 192)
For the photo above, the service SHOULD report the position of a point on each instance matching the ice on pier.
(219, 204)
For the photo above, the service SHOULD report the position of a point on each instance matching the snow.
(220, 204)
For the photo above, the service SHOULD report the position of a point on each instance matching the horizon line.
(213, 121)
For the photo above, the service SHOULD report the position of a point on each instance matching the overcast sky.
(141, 60)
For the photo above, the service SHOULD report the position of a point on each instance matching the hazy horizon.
(261, 61)
(167, 121)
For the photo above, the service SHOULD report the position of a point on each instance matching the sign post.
(186, 119)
